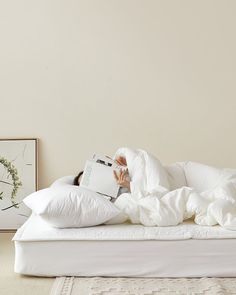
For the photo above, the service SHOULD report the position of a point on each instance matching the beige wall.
(87, 76)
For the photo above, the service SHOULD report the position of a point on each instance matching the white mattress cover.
(183, 258)
(35, 229)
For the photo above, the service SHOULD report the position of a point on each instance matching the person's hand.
(121, 178)
(121, 161)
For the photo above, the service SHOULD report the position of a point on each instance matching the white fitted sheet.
(125, 250)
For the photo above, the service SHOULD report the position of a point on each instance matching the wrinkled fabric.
(166, 196)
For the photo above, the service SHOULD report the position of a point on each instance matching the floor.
(15, 284)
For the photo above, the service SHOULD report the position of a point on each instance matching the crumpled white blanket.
(165, 196)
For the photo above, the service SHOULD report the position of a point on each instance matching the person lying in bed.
(122, 177)
(168, 195)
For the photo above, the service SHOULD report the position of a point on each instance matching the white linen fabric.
(71, 206)
(165, 196)
(186, 250)
(183, 258)
(36, 229)
(62, 181)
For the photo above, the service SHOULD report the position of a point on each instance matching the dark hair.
(76, 179)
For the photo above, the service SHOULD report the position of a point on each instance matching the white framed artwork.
(18, 178)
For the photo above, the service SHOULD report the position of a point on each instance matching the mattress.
(126, 250)
(36, 229)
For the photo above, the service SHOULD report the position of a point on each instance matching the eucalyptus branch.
(14, 205)
(6, 182)
(15, 178)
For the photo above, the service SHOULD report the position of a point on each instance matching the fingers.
(124, 174)
(116, 175)
(120, 176)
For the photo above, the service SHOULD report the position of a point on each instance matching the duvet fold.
(166, 196)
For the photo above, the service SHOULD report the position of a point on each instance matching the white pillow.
(71, 206)
(65, 180)
(202, 177)
(176, 175)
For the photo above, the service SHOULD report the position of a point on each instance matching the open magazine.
(98, 175)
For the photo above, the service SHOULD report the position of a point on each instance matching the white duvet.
(166, 196)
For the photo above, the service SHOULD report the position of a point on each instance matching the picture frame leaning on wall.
(18, 178)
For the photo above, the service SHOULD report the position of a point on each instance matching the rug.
(143, 286)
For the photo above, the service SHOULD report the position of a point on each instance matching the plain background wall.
(91, 76)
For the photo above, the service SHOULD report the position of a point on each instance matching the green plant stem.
(6, 182)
